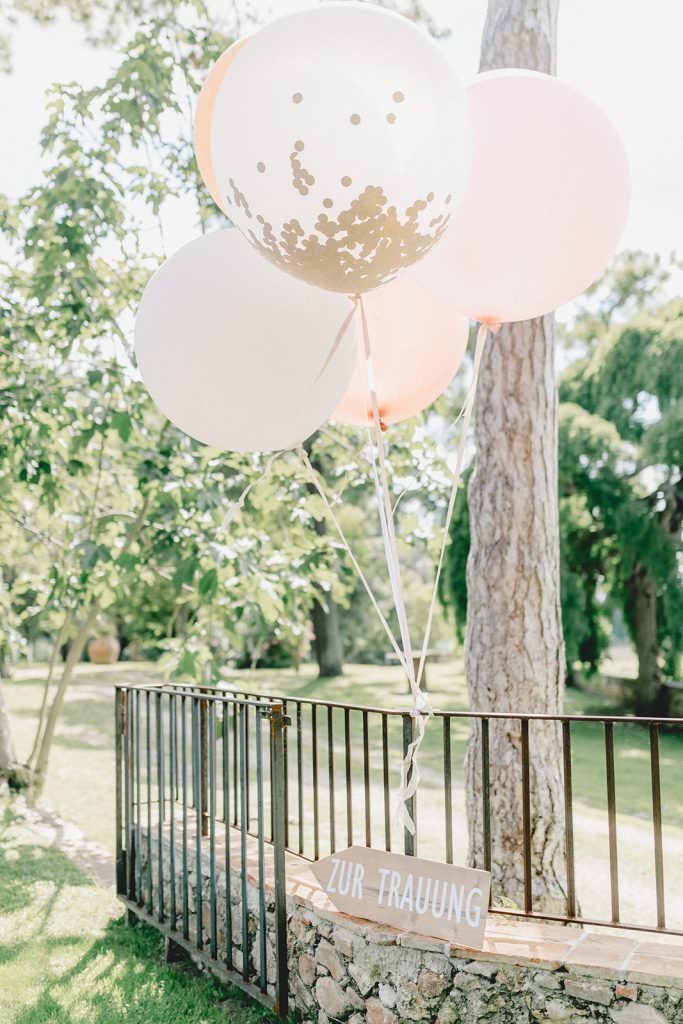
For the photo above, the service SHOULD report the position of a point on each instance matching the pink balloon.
(545, 206)
(417, 344)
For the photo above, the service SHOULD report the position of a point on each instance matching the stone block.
(327, 956)
(377, 1013)
(307, 969)
(558, 1012)
(430, 984)
(482, 968)
(589, 991)
(388, 995)
(332, 998)
(343, 941)
(637, 1013)
(364, 977)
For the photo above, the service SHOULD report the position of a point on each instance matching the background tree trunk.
(641, 589)
(327, 635)
(514, 653)
(7, 756)
(327, 641)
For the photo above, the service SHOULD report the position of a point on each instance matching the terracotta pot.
(104, 650)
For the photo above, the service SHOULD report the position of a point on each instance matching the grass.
(67, 957)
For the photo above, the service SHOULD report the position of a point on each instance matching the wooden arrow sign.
(409, 893)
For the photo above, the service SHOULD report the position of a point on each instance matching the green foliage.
(620, 467)
(122, 513)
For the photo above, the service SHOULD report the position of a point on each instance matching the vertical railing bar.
(172, 798)
(138, 802)
(199, 810)
(212, 830)
(263, 975)
(247, 759)
(568, 818)
(204, 764)
(118, 738)
(235, 770)
(657, 823)
(243, 840)
(183, 761)
(526, 817)
(330, 775)
(277, 726)
(448, 788)
(409, 840)
(612, 821)
(349, 781)
(226, 824)
(285, 758)
(486, 792)
(131, 848)
(148, 738)
(300, 775)
(160, 802)
(316, 822)
(366, 780)
(385, 783)
(270, 776)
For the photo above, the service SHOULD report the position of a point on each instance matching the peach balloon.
(417, 343)
(204, 115)
(545, 206)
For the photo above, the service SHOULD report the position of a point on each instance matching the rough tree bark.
(641, 589)
(514, 652)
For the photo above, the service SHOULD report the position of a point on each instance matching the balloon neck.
(493, 325)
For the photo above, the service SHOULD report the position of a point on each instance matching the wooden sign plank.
(410, 893)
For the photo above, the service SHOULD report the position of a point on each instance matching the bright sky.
(624, 54)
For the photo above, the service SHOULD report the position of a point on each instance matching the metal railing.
(199, 789)
(185, 817)
(341, 772)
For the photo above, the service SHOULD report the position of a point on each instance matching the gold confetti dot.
(327, 203)
(298, 145)
(297, 97)
(346, 181)
(355, 118)
(391, 118)
(430, 197)
(398, 97)
(260, 167)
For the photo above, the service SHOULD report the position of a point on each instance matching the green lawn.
(81, 779)
(66, 956)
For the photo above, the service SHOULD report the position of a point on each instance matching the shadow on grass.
(121, 979)
(59, 967)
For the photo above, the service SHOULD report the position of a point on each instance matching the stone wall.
(344, 969)
(366, 975)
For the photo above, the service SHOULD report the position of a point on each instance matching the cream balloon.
(340, 142)
(417, 344)
(545, 206)
(235, 353)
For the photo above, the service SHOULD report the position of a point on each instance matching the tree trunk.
(642, 598)
(327, 642)
(327, 634)
(8, 758)
(514, 652)
(76, 648)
